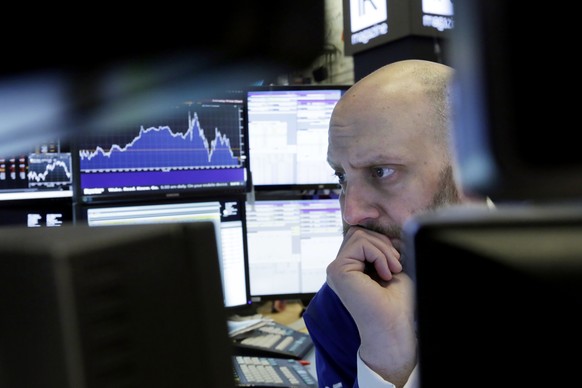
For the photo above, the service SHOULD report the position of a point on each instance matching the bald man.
(389, 145)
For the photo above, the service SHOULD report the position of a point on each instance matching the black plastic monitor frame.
(503, 285)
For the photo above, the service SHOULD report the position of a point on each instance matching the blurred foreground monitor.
(513, 129)
(137, 306)
(501, 292)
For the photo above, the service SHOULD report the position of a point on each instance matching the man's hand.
(367, 276)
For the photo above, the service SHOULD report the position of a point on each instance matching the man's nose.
(358, 204)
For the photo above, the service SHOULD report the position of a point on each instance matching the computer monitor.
(34, 213)
(500, 154)
(499, 295)
(36, 185)
(192, 148)
(40, 171)
(290, 243)
(288, 128)
(227, 213)
(137, 306)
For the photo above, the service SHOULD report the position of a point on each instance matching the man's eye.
(341, 177)
(381, 172)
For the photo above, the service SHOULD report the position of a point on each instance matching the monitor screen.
(501, 291)
(288, 128)
(46, 212)
(41, 171)
(193, 148)
(134, 306)
(290, 243)
(226, 213)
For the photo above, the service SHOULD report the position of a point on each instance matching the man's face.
(447, 194)
(388, 171)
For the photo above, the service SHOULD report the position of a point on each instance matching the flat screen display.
(41, 171)
(288, 128)
(290, 243)
(192, 148)
(227, 214)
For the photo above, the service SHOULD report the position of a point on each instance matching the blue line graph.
(160, 148)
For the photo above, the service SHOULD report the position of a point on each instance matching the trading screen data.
(290, 244)
(288, 128)
(227, 214)
(195, 147)
(43, 171)
(36, 186)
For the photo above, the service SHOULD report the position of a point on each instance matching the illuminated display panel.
(40, 172)
(290, 243)
(227, 214)
(36, 186)
(288, 135)
(192, 148)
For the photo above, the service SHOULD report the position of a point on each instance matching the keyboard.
(271, 372)
(273, 340)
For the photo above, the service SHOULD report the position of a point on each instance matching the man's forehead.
(358, 155)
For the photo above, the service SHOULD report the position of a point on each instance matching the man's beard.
(446, 195)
